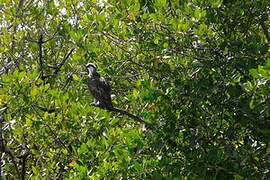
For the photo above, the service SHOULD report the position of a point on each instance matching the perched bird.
(101, 91)
(99, 88)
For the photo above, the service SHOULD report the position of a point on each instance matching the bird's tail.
(136, 118)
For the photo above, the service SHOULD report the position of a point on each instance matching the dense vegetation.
(197, 71)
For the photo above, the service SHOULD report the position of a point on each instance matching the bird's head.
(92, 68)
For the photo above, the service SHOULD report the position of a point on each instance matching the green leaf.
(35, 171)
(75, 77)
(34, 91)
(251, 104)
(268, 146)
(216, 3)
(83, 149)
(254, 73)
(165, 45)
(197, 13)
(160, 3)
(135, 7)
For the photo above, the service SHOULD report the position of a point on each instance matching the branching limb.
(58, 67)
(53, 134)
(121, 111)
(14, 160)
(3, 145)
(70, 78)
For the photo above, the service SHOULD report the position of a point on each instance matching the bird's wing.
(105, 85)
(104, 90)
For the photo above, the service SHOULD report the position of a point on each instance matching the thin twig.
(46, 109)
(63, 61)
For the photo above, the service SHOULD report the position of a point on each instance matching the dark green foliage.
(197, 71)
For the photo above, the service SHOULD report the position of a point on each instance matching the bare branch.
(121, 111)
(63, 61)
(70, 78)
(40, 42)
(46, 109)
(23, 157)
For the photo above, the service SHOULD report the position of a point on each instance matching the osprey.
(101, 91)
(99, 88)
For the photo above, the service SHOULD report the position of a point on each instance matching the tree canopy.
(196, 72)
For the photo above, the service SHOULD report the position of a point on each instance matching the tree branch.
(46, 109)
(40, 42)
(2, 145)
(14, 160)
(70, 78)
(23, 157)
(58, 67)
(121, 111)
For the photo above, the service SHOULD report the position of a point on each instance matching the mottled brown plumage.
(101, 91)
(99, 88)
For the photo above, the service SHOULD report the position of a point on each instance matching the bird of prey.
(99, 88)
